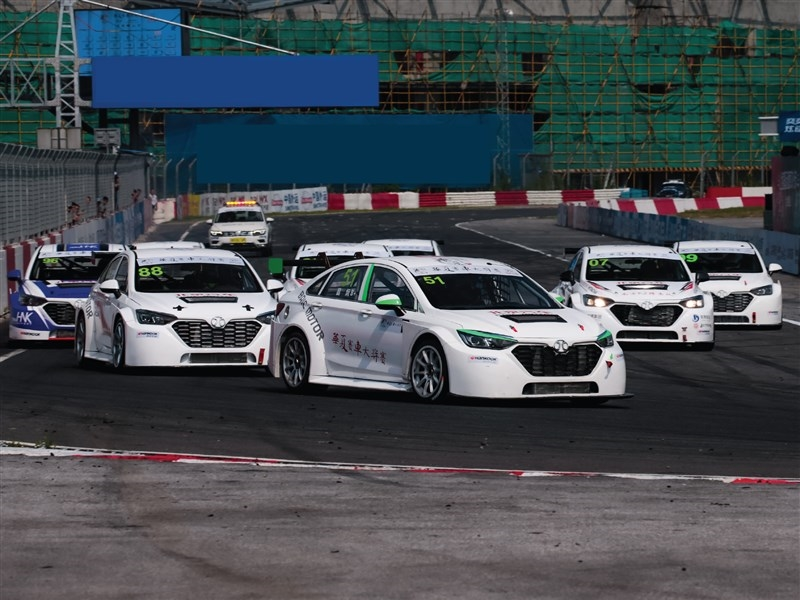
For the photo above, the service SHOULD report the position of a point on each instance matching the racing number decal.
(689, 258)
(350, 277)
(151, 271)
(431, 280)
(50, 261)
(598, 262)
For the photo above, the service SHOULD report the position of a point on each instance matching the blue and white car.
(56, 282)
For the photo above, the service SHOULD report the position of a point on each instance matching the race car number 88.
(151, 271)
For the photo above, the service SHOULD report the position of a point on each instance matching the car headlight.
(605, 339)
(215, 233)
(764, 290)
(694, 302)
(486, 341)
(596, 301)
(266, 317)
(28, 300)
(258, 232)
(150, 317)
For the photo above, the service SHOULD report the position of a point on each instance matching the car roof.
(196, 254)
(167, 244)
(447, 265)
(715, 246)
(418, 244)
(631, 250)
(78, 249)
(342, 249)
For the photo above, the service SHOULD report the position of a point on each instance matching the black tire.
(118, 346)
(295, 361)
(80, 342)
(429, 371)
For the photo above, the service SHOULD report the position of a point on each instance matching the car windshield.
(481, 291)
(195, 276)
(635, 268)
(312, 270)
(722, 262)
(239, 216)
(70, 268)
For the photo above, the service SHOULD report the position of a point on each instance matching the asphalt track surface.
(686, 490)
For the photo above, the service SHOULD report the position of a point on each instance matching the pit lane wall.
(775, 246)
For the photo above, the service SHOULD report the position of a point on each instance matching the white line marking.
(11, 354)
(528, 248)
(16, 448)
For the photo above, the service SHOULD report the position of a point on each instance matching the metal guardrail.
(37, 187)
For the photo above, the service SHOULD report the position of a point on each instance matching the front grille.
(646, 335)
(544, 361)
(227, 358)
(554, 389)
(732, 303)
(199, 334)
(62, 313)
(635, 316)
(730, 319)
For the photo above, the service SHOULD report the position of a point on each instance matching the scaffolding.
(622, 104)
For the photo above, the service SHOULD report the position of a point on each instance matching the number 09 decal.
(689, 257)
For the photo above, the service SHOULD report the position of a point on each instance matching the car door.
(107, 305)
(380, 335)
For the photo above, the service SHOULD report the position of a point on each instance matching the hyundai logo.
(647, 305)
(218, 322)
(561, 346)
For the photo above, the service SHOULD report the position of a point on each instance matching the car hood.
(529, 325)
(734, 282)
(630, 291)
(55, 289)
(207, 305)
(239, 226)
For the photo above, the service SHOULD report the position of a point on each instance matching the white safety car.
(744, 292)
(640, 293)
(176, 307)
(312, 259)
(442, 325)
(56, 281)
(241, 225)
(410, 246)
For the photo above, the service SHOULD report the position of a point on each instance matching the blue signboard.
(324, 80)
(789, 126)
(114, 33)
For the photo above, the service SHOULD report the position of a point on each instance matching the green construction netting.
(682, 97)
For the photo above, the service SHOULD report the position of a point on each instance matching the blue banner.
(789, 126)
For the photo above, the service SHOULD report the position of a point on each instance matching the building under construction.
(615, 92)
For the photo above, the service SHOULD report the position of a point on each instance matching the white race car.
(741, 284)
(437, 325)
(640, 293)
(410, 246)
(312, 259)
(241, 225)
(57, 281)
(176, 307)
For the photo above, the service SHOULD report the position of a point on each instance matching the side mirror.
(274, 285)
(269, 219)
(391, 302)
(15, 275)
(110, 286)
(566, 276)
(774, 267)
(209, 221)
(702, 277)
